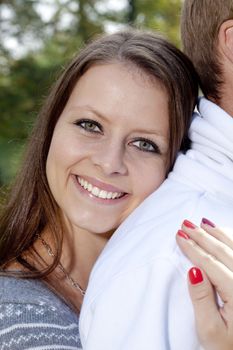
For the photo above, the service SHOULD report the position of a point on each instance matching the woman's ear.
(225, 37)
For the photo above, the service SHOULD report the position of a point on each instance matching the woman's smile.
(98, 191)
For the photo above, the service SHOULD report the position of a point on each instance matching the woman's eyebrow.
(92, 110)
(152, 132)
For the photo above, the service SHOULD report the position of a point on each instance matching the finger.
(224, 234)
(220, 276)
(210, 244)
(203, 297)
(208, 319)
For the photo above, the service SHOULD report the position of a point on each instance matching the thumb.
(208, 319)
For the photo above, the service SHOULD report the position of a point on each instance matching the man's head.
(207, 37)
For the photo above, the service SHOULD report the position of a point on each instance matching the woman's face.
(109, 147)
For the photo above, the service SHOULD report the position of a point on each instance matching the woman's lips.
(97, 189)
(101, 185)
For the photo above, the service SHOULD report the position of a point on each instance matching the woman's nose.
(110, 158)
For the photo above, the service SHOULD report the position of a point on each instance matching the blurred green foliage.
(47, 33)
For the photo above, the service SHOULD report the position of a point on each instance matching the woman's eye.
(89, 125)
(146, 146)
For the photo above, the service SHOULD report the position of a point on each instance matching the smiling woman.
(106, 144)
(104, 141)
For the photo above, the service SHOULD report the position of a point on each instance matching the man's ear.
(225, 38)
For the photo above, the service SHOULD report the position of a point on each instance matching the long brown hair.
(31, 206)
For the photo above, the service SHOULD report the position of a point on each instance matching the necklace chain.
(61, 267)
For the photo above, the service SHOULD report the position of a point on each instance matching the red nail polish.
(188, 224)
(195, 275)
(207, 222)
(183, 234)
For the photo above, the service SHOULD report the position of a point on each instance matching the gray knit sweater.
(33, 317)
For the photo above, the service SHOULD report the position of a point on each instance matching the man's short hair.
(200, 24)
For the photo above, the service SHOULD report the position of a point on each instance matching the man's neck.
(226, 91)
(226, 103)
(226, 99)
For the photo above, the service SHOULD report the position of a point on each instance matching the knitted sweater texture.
(33, 317)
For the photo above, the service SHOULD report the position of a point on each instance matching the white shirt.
(137, 298)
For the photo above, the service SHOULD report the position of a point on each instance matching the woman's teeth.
(97, 192)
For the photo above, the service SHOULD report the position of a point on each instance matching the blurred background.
(38, 37)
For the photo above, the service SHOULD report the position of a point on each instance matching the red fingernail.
(183, 234)
(207, 222)
(188, 224)
(195, 275)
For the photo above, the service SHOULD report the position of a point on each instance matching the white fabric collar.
(209, 162)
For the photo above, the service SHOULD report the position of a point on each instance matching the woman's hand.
(211, 250)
